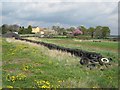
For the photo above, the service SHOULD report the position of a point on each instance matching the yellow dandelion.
(94, 87)
(9, 86)
(44, 86)
(25, 68)
(58, 85)
(21, 76)
(13, 78)
(43, 81)
(37, 82)
(59, 81)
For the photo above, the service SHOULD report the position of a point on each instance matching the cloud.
(59, 1)
(46, 14)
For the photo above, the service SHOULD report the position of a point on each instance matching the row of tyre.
(85, 56)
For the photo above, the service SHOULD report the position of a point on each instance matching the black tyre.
(84, 61)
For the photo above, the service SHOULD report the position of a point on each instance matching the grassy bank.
(29, 65)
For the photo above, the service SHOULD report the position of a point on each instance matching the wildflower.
(13, 78)
(25, 68)
(8, 77)
(94, 87)
(59, 81)
(37, 82)
(44, 86)
(47, 82)
(43, 81)
(9, 86)
(13, 53)
(21, 76)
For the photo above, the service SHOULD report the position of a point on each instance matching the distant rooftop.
(34, 26)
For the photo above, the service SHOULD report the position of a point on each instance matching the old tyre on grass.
(84, 61)
(105, 60)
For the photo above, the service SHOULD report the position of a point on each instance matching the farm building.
(43, 31)
(36, 29)
(11, 35)
(49, 31)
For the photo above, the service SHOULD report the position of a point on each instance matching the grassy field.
(28, 65)
(78, 43)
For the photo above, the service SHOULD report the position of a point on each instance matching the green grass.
(104, 45)
(60, 69)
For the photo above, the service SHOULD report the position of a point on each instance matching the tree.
(71, 29)
(21, 30)
(65, 33)
(98, 32)
(102, 32)
(9, 28)
(83, 29)
(29, 31)
(61, 31)
(13, 28)
(91, 31)
(56, 28)
(105, 32)
(4, 28)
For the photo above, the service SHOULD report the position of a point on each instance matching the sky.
(63, 13)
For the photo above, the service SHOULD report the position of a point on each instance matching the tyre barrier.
(86, 57)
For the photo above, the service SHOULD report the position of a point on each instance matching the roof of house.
(34, 26)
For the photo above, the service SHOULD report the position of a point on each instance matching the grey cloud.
(67, 14)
